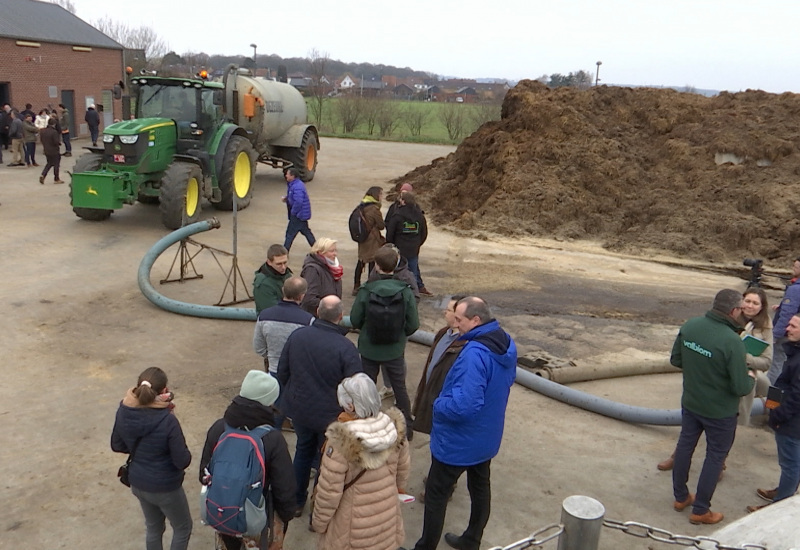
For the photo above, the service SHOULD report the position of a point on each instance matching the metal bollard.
(582, 518)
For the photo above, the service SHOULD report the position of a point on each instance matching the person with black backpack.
(243, 444)
(385, 312)
(366, 224)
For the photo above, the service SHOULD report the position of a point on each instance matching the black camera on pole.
(756, 271)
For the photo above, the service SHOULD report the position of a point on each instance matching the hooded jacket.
(297, 202)
(314, 360)
(162, 454)
(785, 419)
(268, 286)
(712, 356)
(407, 229)
(789, 306)
(320, 282)
(367, 514)
(401, 273)
(245, 413)
(469, 414)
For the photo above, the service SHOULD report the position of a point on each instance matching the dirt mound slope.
(714, 179)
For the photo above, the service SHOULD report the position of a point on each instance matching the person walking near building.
(788, 307)
(92, 118)
(785, 420)
(711, 355)
(365, 463)
(146, 429)
(370, 212)
(249, 410)
(29, 133)
(314, 361)
(51, 145)
(5, 120)
(468, 422)
(298, 206)
(64, 120)
(408, 230)
(269, 278)
(385, 313)
(15, 134)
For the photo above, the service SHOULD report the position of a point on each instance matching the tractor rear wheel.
(237, 174)
(304, 158)
(180, 194)
(89, 162)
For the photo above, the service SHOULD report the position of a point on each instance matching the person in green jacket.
(385, 312)
(268, 282)
(715, 375)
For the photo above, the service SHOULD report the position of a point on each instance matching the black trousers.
(396, 371)
(442, 479)
(359, 270)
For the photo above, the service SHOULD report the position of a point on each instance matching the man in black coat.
(92, 119)
(248, 410)
(315, 360)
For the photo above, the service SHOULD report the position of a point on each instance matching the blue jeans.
(30, 152)
(172, 506)
(441, 482)
(308, 447)
(413, 267)
(789, 461)
(94, 131)
(67, 144)
(720, 433)
(296, 225)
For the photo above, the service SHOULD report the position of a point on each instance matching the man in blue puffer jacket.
(468, 420)
(299, 209)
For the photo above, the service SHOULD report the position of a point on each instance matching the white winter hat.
(260, 386)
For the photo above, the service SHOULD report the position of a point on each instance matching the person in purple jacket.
(299, 209)
(789, 306)
(146, 429)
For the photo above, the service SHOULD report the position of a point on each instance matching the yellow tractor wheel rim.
(192, 196)
(311, 158)
(241, 175)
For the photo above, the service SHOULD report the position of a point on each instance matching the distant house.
(403, 91)
(346, 82)
(50, 56)
(433, 93)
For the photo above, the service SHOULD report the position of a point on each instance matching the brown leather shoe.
(709, 518)
(751, 509)
(681, 506)
(667, 464)
(767, 494)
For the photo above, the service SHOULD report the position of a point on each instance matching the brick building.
(50, 56)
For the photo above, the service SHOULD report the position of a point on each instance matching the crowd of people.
(21, 130)
(351, 460)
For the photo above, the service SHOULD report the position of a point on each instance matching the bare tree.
(136, 38)
(68, 5)
(319, 86)
(196, 60)
(481, 113)
(348, 107)
(452, 117)
(414, 118)
(370, 108)
(388, 117)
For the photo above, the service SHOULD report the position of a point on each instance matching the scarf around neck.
(333, 266)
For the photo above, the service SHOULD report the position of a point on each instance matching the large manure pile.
(706, 178)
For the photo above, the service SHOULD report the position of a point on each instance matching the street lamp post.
(255, 65)
(597, 73)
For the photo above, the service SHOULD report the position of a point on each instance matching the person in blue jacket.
(299, 209)
(468, 420)
(789, 306)
(146, 429)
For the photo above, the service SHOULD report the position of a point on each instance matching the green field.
(411, 121)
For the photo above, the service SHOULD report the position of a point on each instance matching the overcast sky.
(710, 44)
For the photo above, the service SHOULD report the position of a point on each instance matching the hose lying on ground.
(599, 405)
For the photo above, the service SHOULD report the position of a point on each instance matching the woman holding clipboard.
(757, 333)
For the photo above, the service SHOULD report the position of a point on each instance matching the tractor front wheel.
(180, 194)
(89, 162)
(237, 174)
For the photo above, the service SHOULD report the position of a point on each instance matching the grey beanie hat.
(260, 386)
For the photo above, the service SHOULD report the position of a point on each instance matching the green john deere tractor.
(193, 139)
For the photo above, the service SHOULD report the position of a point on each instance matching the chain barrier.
(642, 530)
(532, 540)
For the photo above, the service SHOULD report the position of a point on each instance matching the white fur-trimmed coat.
(368, 514)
